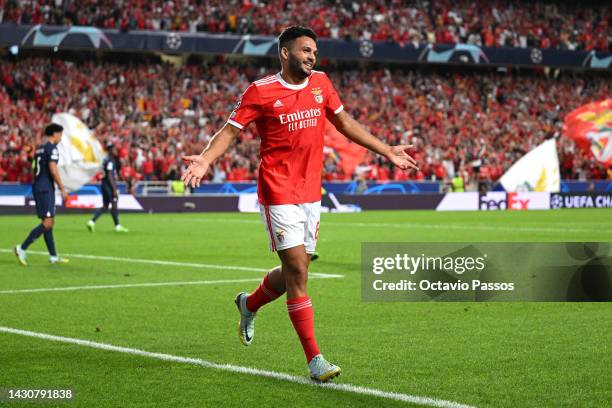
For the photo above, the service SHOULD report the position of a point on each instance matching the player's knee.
(296, 282)
(48, 223)
(294, 266)
(297, 271)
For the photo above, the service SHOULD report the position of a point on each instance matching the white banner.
(538, 170)
(529, 201)
(493, 201)
(81, 154)
(248, 202)
(124, 202)
(92, 201)
(467, 201)
(12, 200)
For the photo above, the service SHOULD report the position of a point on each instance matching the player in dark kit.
(45, 174)
(110, 193)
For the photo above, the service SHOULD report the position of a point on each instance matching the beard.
(297, 69)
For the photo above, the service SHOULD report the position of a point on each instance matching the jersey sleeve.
(334, 105)
(247, 109)
(53, 154)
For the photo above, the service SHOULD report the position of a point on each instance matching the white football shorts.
(290, 225)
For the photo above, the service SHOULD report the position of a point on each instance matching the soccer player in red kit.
(289, 110)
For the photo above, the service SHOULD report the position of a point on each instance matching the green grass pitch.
(480, 354)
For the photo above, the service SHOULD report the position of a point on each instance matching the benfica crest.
(591, 128)
(318, 94)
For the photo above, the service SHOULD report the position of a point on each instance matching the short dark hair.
(53, 128)
(290, 34)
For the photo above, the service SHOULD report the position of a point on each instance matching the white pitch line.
(431, 402)
(170, 263)
(463, 227)
(400, 224)
(138, 285)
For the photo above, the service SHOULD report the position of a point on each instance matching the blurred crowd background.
(572, 25)
(472, 122)
(154, 113)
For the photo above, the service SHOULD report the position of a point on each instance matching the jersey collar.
(292, 86)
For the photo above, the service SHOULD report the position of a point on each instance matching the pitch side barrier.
(92, 38)
(145, 188)
(469, 201)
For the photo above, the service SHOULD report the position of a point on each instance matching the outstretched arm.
(198, 164)
(350, 128)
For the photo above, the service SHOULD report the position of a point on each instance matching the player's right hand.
(64, 195)
(196, 170)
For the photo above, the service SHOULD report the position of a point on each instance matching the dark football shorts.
(107, 195)
(45, 204)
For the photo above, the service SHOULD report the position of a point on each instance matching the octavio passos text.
(412, 264)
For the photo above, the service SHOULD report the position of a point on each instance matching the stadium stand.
(474, 122)
(497, 23)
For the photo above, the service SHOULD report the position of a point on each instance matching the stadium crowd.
(475, 124)
(492, 23)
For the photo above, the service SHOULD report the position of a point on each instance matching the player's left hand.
(64, 195)
(196, 170)
(398, 156)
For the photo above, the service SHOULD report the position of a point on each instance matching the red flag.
(351, 154)
(590, 126)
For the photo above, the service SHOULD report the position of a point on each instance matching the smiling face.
(300, 57)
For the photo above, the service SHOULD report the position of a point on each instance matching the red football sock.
(262, 295)
(301, 314)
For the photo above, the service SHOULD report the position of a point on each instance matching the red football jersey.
(290, 121)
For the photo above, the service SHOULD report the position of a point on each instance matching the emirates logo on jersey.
(318, 94)
(299, 115)
(300, 119)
